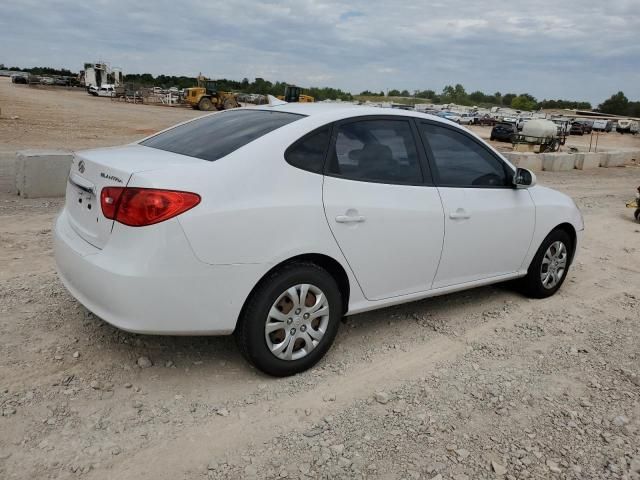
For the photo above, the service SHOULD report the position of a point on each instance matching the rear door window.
(376, 150)
(215, 136)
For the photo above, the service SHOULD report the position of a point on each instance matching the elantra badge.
(81, 166)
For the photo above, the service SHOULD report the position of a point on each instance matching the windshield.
(215, 136)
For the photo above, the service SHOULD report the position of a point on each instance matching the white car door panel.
(487, 233)
(388, 223)
(391, 235)
(488, 224)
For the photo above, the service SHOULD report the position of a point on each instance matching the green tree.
(617, 104)
(508, 98)
(523, 102)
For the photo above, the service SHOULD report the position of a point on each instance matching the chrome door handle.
(459, 214)
(350, 218)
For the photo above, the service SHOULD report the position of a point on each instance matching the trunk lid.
(92, 170)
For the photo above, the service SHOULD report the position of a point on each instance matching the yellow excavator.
(206, 96)
(293, 94)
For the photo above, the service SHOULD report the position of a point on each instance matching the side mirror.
(524, 178)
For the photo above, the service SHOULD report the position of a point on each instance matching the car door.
(381, 206)
(488, 223)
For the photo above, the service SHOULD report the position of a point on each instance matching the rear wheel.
(636, 214)
(290, 320)
(549, 267)
(205, 104)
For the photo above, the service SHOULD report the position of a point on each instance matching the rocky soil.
(482, 384)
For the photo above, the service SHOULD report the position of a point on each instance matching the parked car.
(503, 132)
(487, 120)
(576, 129)
(587, 125)
(274, 222)
(451, 116)
(467, 119)
(19, 78)
(627, 126)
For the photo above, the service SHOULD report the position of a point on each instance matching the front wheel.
(549, 267)
(290, 320)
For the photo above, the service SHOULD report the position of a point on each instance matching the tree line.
(617, 104)
(457, 94)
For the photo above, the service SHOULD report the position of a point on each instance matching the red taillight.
(138, 207)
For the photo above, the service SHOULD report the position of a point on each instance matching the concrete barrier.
(613, 159)
(588, 161)
(558, 162)
(42, 173)
(530, 161)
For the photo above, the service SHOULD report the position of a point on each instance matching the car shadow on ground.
(219, 355)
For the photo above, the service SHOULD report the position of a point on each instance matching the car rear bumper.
(147, 280)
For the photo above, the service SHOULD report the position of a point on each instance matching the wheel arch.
(331, 265)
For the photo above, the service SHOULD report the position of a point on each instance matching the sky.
(570, 49)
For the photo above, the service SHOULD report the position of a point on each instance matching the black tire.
(250, 332)
(205, 104)
(531, 285)
(230, 103)
(636, 215)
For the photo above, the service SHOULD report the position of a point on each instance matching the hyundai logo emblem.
(81, 166)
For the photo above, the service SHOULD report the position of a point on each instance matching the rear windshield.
(215, 136)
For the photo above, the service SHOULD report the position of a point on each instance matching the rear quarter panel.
(255, 207)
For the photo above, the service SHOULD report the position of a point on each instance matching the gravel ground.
(481, 384)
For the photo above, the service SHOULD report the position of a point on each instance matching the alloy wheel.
(296, 322)
(554, 265)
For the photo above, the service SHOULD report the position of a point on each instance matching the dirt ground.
(482, 384)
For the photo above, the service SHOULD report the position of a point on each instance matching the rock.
(337, 449)
(312, 433)
(128, 385)
(95, 385)
(250, 471)
(330, 397)
(223, 412)
(115, 451)
(213, 465)
(381, 397)
(499, 470)
(76, 354)
(634, 469)
(137, 404)
(168, 364)
(8, 411)
(144, 362)
(553, 466)
(620, 421)
(462, 453)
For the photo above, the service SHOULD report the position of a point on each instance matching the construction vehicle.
(293, 94)
(635, 204)
(206, 96)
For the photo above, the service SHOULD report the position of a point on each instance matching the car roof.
(333, 111)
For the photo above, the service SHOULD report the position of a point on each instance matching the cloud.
(578, 49)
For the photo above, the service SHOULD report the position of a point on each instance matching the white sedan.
(274, 222)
